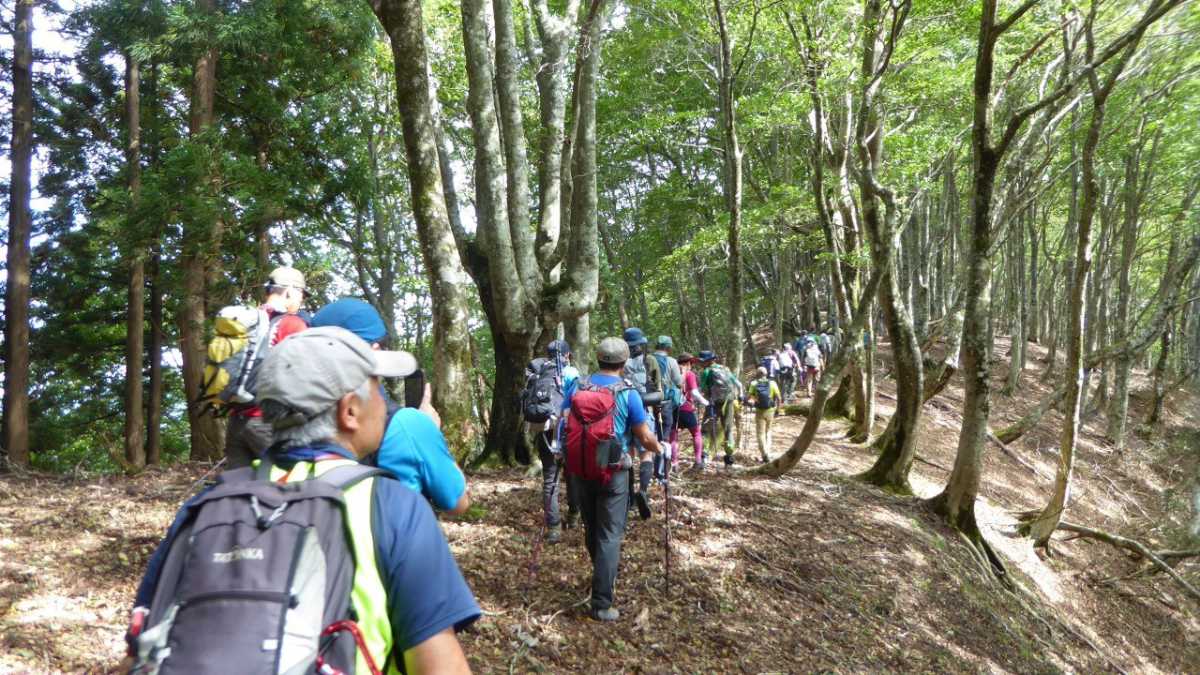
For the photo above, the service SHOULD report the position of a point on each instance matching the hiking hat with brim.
(634, 337)
(309, 372)
(706, 355)
(287, 276)
(612, 351)
(558, 348)
(356, 316)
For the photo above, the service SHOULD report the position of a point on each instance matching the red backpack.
(593, 450)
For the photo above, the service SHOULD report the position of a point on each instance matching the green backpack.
(721, 383)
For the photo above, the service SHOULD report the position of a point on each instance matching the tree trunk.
(448, 283)
(1035, 329)
(957, 501)
(200, 241)
(733, 186)
(892, 467)
(1119, 409)
(135, 450)
(706, 337)
(20, 219)
(1042, 526)
(154, 402)
(1160, 373)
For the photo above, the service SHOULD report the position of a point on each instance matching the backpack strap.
(346, 477)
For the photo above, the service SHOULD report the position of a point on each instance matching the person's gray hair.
(322, 428)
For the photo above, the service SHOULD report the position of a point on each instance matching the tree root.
(1014, 456)
(1134, 546)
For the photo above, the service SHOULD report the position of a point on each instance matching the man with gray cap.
(600, 404)
(320, 392)
(247, 435)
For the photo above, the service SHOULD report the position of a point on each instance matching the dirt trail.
(811, 572)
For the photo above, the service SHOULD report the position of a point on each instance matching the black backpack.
(251, 580)
(762, 394)
(543, 395)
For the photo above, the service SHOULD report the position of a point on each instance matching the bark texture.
(135, 450)
(17, 286)
(448, 283)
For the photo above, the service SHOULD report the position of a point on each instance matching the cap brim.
(394, 364)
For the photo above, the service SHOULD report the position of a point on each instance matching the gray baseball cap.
(612, 350)
(309, 372)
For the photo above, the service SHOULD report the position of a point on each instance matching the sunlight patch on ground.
(998, 527)
(888, 517)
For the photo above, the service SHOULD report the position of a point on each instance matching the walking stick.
(667, 533)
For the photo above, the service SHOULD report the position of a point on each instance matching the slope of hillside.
(812, 572)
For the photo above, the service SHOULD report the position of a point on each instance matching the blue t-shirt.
(426, 592)
(630, 410)
(414, 451)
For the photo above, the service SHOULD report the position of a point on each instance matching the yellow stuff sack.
(240, 339)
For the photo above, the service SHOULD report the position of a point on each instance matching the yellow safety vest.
(369, 596)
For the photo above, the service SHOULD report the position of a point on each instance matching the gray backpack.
(253, 577)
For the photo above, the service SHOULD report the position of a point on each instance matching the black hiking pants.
(605, 511)
(667, 419)
(552, 469)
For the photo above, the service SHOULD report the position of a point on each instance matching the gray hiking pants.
(605, 510)
(246, 439)
(551, 470)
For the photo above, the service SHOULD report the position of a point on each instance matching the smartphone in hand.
(414, 389)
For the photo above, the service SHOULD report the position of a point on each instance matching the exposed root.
(1135, 547)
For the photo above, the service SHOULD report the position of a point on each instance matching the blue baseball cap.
(634, 337)
(356, 316)
(558, 347)
(706, 355)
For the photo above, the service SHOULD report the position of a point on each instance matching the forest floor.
(811, 572)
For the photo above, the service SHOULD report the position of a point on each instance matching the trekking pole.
(667, 534)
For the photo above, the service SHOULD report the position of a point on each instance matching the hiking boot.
(643, 505)
(572, 520)
(553, 535)
(728, 461)
(607, 614)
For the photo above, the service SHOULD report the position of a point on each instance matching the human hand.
(427, 406)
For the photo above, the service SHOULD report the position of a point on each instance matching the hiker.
(554, 375)
(771, 363)
(247, 436)
(414, 450)
(687, 417)
(647, 379)
(404, 595)
(642, 372)
(672, 385)
(766, 397)
(788, 365)
(826, 345)
(813, 365)
(605, 414)
(723, 391)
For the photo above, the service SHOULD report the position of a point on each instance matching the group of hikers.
(616, 431)
(317, 547)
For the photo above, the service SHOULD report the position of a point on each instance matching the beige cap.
(286, 276)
